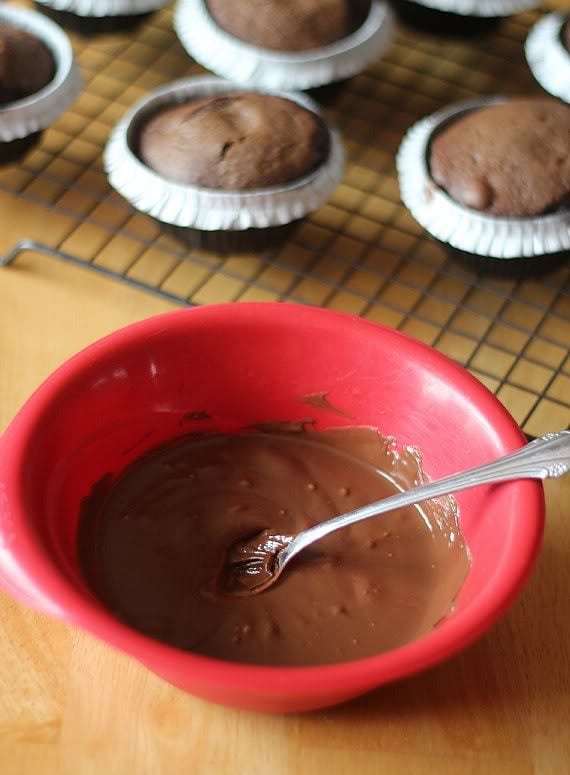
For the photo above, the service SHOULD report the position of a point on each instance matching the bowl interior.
(241, 364)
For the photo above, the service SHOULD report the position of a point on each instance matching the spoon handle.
(548, 456)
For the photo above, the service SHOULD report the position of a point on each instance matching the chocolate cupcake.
(228, 169)
(26, 64)
(491, 179)
(466, 18)
(38, 78)
(289, 25)
(548, 54)
(284, 44)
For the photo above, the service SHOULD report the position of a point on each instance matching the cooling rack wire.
(361, 252)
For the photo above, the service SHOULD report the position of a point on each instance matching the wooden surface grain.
(69, 705)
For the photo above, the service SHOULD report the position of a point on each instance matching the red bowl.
(243, 363)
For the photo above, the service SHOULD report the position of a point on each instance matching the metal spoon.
(254, 565)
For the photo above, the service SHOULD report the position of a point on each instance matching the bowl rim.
(82, 609)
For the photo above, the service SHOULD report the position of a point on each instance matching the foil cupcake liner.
(32, 114)
(464, 229)
(231, 58)
(547, 57)
(484, 8)
(100, 9)
(210, 209)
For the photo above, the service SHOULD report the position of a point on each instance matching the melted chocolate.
(153, 543)
(321, 401)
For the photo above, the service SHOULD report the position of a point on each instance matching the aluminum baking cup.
(547, 56)
(24, 117)
(231, 58)
(465, 229)
(104, 8)
(212, 209)
(484, 8)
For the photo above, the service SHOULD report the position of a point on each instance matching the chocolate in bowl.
(153, 544)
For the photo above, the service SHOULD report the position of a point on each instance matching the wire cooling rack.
(361, 252)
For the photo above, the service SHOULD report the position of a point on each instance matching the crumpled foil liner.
(210, 209)
(231, 58)
(547, 57)
(25, 117)
(103, 8)
(464, 229)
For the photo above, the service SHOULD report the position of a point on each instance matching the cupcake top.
(237, 141)
(289, 25)
(510, 159)
(26, 64)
